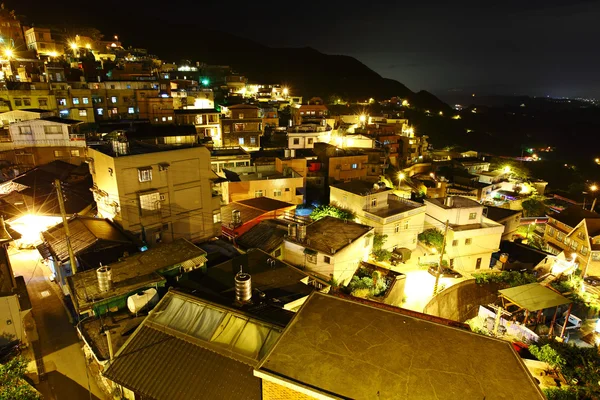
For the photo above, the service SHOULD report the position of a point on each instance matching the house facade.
(400, 219)
(160, 195)
(471, 238)
(243, 127)
(330, 248)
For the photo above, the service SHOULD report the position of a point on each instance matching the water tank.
(104, 275)
(243, 287)
(301, 232)
(375, 186)
(236, 218)
(142, 300)
(292, 230)
(287, 153)
(292, 153)
(448, 201)
(503, 258)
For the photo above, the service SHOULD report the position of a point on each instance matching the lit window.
(169, 118)
(59, 153)
(62, 102)
(113, 99)
(472, 215)
(100, 111)
(468, 241)
(130, 110)
(74, 153)
(241, 140)
(52, 129)
(114, 110)
(258, 193)
(584, 250)
(25, 130)
(277, 193)
(252, 140)
(76, 100)
(354, 166)
(83, 113)
(241, 116)
(164, 119)
(145, 174)
(216, 217)
(150, 201)
(86, 100)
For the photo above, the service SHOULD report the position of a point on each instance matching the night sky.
(515, 47)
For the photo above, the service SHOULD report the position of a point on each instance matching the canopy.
(533, 297)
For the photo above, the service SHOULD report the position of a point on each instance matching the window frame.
(145, 174)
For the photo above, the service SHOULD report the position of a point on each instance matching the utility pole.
(63, 213)
(439, 271)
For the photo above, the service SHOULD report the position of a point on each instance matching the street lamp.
(74, 46)
(285, 91)
(506, 169)
(594, 188)
(8, 53)
(362, 118)
(401, 176)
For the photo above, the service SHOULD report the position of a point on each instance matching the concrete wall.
(461, 302)
(11, 325)
(237, 191)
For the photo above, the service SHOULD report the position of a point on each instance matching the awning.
(44, 251)
(533, 297)
(310, 251)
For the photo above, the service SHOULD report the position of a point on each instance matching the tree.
(432, 237)
(12, 381)
(378, 253)
(331, 211)
(534, 207)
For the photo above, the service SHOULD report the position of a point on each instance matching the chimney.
(243, 287)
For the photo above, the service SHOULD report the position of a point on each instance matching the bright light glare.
(30, 226)
(593, 188)
(53, 54)
(401, 175)
(74, 46)
(88, 46)
(362, 118)
(286, 91)
(8, 53)
(506, 170)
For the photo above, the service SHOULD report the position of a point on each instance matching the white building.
(305, 136)
(10, 117)
(471, 239)
(330, 248)
(400, 219)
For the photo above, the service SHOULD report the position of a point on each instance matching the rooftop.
(135, 272)
(65, 121)
(522, 254)
(267, 235)
(139, 131)
(500, 214)
(167, 354)
(396, 205)
(456, 202)
(330, 235)
(351, 350)
(265, 203)
(361, 188)
(135, 147)
(533, 297)
(228, 151)
(573, 215)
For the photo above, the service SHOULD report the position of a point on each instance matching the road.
(63, 370)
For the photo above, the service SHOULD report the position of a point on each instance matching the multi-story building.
(11, 30)
(228, 157)
(313, 112)
(74, 100)
(10, 117)
(509, 218)
(576, 233)
(206, 121)
(160, 193)
(26, 95)
(154, 107)
(305, 136)
(41, 141)
(40, 40)
(376, 205)
(243, 127)
(331, 248)
(471, 237)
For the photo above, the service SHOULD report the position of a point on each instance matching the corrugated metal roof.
(161, 366)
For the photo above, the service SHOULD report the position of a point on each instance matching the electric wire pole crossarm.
(63, 213)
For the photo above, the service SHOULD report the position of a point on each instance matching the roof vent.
(243, 287)
(104, 275)
(292, 230)
(448, 202)
(301, 233)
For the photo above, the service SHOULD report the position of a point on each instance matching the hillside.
(306, 71)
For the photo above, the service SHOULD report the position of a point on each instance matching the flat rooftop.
(361, 188)
(267, 235)
(396, 205)
(351, 350)
(456, 202)
(134, 272)
(330, 235)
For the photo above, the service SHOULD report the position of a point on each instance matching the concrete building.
(471, 239)
(206, 121)
(511, 219)
(228, 157)
(257, 181)
(10, 117)
(160, 193)
(243, 127)
(400, 219)
(331, 248)
(40, 141)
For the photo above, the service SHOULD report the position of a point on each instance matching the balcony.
(396, 209)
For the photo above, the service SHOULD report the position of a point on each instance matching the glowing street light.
(506, 169)
(593, 188)
(8, 53)
(401, 176)
(285, 91)
(74, 46)
(362, 118)
(53, 54)
(597, 160)
(88, 46)
(405, 103)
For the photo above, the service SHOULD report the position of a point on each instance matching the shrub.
(508, 278)
(432, 237)
(382, 255)
(331, 211)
